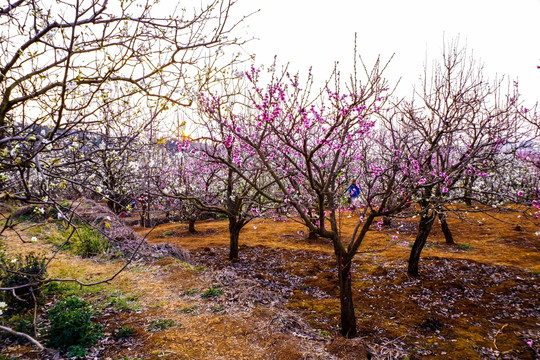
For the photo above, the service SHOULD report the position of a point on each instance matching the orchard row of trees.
(284, 147)
(271, 146)
(83, 89)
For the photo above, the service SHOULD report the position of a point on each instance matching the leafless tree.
(61, 64)
(66, 67)
(455, 125)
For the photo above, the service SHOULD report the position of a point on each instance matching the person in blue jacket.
(354, 192)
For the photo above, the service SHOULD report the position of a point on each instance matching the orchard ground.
(477, 299)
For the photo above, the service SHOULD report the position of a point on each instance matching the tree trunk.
(234, 235)
(191, 226)
(467, 192)
(114, 204)
(145, 216)
(424, 228)
(110, 205)
(446, 230)
(467, 195)
(348, 319)
(312, 235)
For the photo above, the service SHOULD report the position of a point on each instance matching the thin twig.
(113, 276)
(35, 310)
(497, 333)
(26, 336)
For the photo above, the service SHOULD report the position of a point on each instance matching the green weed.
(71, 328)
(23, 323)
(88, 242)
(464, 247)
(124, 332)
(72, 289)
(189, 309)
(192, 292)
(218, 308)
(162, 324)
(124, 302)
(212, 291)
(22, 270)
(325, 334)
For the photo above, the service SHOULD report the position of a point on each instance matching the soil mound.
(120, 235)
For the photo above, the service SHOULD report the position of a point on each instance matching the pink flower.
(530, 343)
(520, 193)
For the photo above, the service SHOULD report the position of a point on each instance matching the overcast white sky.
(503, 34)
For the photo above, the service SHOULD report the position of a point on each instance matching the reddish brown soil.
(475, 300)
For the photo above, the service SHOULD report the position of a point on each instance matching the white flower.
(99, 189)
(39, 210)
(14, 151)
(13, 261)
(34, 239)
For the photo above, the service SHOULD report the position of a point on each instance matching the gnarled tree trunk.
(191, 225)
(234, 235)
(446, 230)
(467, 192)
(348, 318)
(424, 228)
